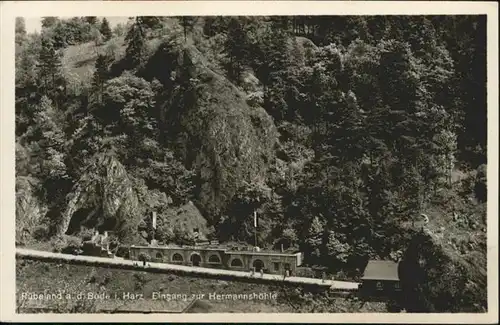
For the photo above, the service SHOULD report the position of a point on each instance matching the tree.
(337, 247)
(111, 50)
(480, 186)
(136, 43)
(91, 20)
(397, 76)
(97, 38)
(86, 141)
(166, 174)
(187, 23)
(236, 48)
(314, 239)
(48, 22)
(127, 112)
(165, 233)
(20, 30)
(49, 142)
(105, 30)
(119, 30)
(49, 67)
(289, 237)
(213, 25)
(101, 74)
(150, 22)
(271, 54)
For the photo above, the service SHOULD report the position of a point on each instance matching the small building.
(380, 278)
(217, 256)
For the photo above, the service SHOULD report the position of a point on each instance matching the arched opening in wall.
(214, 259)
(258, 265)
(236, 263)
(177, 258)
(159, 256)
(195, 259)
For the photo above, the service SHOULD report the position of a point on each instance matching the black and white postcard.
(285, 161)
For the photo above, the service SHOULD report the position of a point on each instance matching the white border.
(9, 10)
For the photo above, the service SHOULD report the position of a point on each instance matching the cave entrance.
(82, 217)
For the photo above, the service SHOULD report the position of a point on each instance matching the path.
(189, 270)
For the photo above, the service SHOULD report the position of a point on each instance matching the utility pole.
(154, 227)
(255, 226)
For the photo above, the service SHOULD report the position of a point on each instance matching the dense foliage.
(338, 131)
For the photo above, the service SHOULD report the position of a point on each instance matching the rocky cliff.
(216, 132)
(104, 197)
(435, 278)
(30, 210)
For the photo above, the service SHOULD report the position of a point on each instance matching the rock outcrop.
(29, 209)
(437, 278)
(104, 197)
(220, 136)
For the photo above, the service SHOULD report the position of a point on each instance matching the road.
(189, 270)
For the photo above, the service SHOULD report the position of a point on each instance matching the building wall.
(217, 258)
(380, 287)
(184, 256)
(275, 264)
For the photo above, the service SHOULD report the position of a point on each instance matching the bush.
(123, 251)
(67, 245)
(106, 279)
(86, 234)
(480, 189)
(144, 257)
(306, 272)
(41, 232)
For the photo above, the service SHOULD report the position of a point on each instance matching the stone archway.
(258, 265)
(177, 258)
(236, 262)
(214, 259)
(195, 259)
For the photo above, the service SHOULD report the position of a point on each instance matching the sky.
(35, 23)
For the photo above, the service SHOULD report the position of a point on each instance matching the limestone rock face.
(29, 209)
(438, 278)
(222, 138)
(104, 197)
(233, 141)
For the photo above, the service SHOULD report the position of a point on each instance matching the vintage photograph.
(251, 164)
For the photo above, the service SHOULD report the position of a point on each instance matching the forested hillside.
(340, 131)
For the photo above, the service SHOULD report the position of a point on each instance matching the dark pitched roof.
(381, 270)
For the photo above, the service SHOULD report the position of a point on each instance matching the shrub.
(41, 232)
(86, 234)
(144, 257)
(480, 189)
(123, 251)
(66, 244)
(106, 279)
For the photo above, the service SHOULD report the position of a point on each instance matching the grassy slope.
(79, 60)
